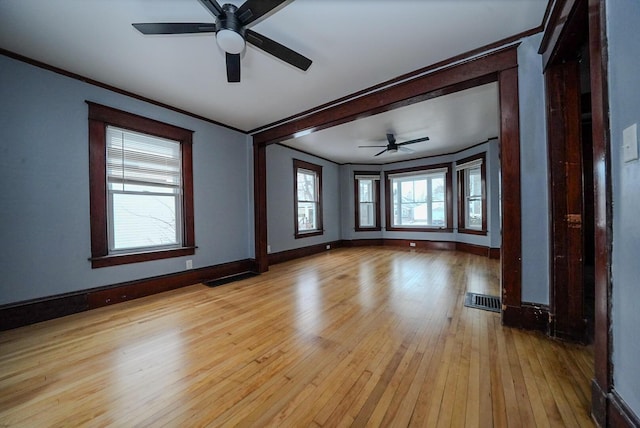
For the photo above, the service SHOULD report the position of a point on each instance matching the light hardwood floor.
(350, 337)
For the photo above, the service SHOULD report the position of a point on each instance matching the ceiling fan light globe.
(230, 41)
(394, 150)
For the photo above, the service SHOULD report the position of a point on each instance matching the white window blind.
(476, 163)
(144, 175)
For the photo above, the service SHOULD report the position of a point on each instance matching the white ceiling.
(354, 44)
(452, 122)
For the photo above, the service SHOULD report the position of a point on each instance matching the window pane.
(306, 186)
(367, 217)
(474, 218)
(438, 214)
(437, 186)
(474, 183)
(421, 201)
(307, 216)
(144, 221)
(366, 190)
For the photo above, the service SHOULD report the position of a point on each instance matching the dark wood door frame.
(564, 145)
(556, 41)
(498, 66)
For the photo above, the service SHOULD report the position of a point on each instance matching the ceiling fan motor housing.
(231, 33)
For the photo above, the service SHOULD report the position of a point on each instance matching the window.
(308, 198)
(419, 199)
(141, 188)
(472, 211)
(367, 197)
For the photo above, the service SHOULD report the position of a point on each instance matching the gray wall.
(623, 19)
(44, 187)
(533, 174)
(280, 209)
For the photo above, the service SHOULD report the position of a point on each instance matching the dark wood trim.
(527, 316)
(602, 384)
(565, 29)
(564, 147)
(451, 79)
(93, 82)
(494, 253)
(466, 56)
(375, 242)
(603, 377)
(599, 403)
(388, 202)
(376, 202)
(307, 153)
(123, 259)
(511, 254)
(478, 250)
(500, 66)
(300, 164)
(620, 414)
(535, 317)
(260, 206)
(296, 253)
(37, 310)
(462, 190)
(421, 244)
(99, 117)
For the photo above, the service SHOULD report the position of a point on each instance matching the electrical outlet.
(268, 248)
(328, 247)
(412, 244)
(630, 143)
(189, 264)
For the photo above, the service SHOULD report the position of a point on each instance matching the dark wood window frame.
(448, 198)
(376, 202)
(299, 164)
(99, 117)
(462, 187)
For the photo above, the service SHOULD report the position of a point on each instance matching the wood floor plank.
(352, 337)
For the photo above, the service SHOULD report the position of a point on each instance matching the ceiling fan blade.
(279, 51)
(391, 139)
(213, 6)
(378, 154)
(252, 10)
(233, 68)
(405, 149)
(417, 140)
(175, 28)
(372, 146)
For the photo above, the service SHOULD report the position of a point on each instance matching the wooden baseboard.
(423, 245)
(619, 414)
(527, 316)
(493, 253)
(296, 253)
(32, 311)
(362, 242)
(478, 250)
(598, 404)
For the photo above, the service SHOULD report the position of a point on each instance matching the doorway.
(570, 148)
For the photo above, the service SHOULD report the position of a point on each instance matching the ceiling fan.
(392, 147)
(232, 33)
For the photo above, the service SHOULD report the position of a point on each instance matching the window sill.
(473, 232)
(367, 229)
(121, 259)
(419, 229)
(308, 234)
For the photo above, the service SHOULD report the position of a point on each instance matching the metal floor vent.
(482, 301)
